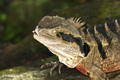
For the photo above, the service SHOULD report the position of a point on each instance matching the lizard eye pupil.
(58, 35)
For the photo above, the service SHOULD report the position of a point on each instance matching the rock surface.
(34, 72)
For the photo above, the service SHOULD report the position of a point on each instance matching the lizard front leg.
(88, 67)
(96, 73)
(93, 72)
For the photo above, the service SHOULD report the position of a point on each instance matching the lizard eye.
(57, 33)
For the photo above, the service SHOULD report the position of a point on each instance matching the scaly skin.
(93, 51)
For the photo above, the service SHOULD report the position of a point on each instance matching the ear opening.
(86, 49)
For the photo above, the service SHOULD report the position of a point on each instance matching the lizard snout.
(34, 32)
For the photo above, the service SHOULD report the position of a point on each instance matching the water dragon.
(93, 51)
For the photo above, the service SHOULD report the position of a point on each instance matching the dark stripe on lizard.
(100, 47)
(71, 38)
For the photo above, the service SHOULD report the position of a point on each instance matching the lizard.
(94, 51)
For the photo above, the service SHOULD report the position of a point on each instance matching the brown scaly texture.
(104, 43)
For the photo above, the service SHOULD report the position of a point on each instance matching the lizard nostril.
(34, 33)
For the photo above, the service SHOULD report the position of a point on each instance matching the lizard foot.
(54, 65)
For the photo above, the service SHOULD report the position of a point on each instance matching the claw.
(59, 65)
(53, 68)
(59, 69)
(49, 64)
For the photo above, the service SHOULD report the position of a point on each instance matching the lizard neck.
(81, 68)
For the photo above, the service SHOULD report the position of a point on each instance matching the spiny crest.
(100, 37)
(117, 26)
(91, 38)
(112, 35)
(77, 22)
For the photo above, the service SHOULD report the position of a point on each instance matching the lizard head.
(61, 37)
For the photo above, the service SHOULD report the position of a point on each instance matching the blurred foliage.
(25, 52)
(93, 15)
(3, 17)
(19, 17)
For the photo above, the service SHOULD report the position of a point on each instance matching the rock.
(34, 72)
(24, 52)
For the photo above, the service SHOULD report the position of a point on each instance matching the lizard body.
(94, 51)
